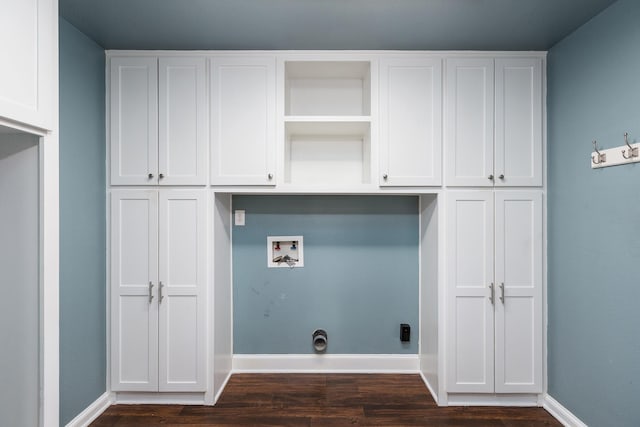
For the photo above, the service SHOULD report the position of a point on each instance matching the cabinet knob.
(491, 177)
(385, 176)
(150, 175)
(501, 176)
(161, 176)
(270, 176)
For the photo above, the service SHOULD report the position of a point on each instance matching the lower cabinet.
(494, 291)
(158, 281)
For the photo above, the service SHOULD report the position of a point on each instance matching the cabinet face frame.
(410, 122)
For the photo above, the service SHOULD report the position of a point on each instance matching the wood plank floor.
(323, 400)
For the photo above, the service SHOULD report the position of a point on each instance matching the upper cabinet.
(158, 122)
(29, 50)
(243, 120)
(327, 123)
(410, 122)
(493, 122)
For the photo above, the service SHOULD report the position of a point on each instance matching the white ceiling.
(329, 24)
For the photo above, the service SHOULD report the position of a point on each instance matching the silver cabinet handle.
(385, 176)
(150, 292)
(150, 176)
(160, 296)
(490, 177)
(501, 176)
(270, 176)
(492, 296)
(502, 293)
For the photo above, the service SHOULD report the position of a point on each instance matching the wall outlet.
(405, 332)
(239, 217)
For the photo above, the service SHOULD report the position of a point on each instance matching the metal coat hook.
(633, 151)
(601, 157)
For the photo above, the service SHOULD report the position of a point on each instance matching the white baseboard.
(561, 413)
(92, 411)
(429, 387)
(326, 363)
(222, 387)
(153, 398)
(482, 399)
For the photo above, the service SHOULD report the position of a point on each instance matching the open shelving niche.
(327, 123)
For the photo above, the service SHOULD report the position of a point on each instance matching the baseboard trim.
(162, 398)
(426, 382)
(561, 413)
(224, 385)
(92, 411)
(481, 399)
(328, 363)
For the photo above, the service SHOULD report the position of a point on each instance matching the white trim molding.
(329, 363)
(92, 411)
(489, 399)
(561, 413)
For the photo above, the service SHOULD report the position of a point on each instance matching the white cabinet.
(158, 129)
(494, 291)
(28, 52)
(410, 121)
(493, 122)
(243, 120)
(158, 277)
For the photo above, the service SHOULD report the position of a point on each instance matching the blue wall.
(359, 280)
(594, 218)
(82, 222)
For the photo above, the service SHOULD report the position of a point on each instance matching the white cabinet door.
(470, 360)
(134, 121)
(182, 139)
(518, 138)
(243, 106)
(182, 261)
(518, 247)
(410, 122)
(134, 288)
(28, 52)
(469, 121)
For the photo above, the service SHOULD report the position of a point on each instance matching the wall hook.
(601, 157)
(633, 152)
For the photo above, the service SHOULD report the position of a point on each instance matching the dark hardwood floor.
(323, 400)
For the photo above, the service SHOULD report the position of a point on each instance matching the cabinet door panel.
(182, 116)
(518, 152)
(183, 276)
(134, 315)
(469, 275)
(134, 121)
(519, 270)
(243, 121)
(469, 120)
(411, 122)
(29, 45)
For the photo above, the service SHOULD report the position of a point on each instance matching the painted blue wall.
(594, 218)
(359, 280)
(82, 222)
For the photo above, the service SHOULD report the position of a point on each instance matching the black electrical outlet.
(405, 332)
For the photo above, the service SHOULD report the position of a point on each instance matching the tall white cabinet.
(494, 271)
(158, 279)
